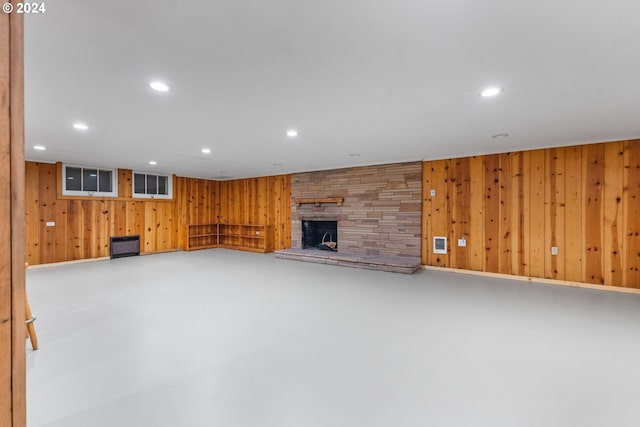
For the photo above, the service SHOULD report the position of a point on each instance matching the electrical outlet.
(462, 242)
(51, 224)
(433, 192)
(554, 250)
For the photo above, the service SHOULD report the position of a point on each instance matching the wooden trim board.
(12, 224)
(536, 280)
(77, 261)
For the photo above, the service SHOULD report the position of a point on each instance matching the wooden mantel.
(318, 201)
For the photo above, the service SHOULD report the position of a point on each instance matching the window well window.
(152, 185)
(89, 181)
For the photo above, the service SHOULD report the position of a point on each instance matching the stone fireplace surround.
(381, 210)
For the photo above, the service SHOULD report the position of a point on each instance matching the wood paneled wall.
(12, 281)
(84, 225)
(264, 200)
(513, 208)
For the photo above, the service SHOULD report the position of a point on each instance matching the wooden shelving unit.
(200, 236)
(244, 237)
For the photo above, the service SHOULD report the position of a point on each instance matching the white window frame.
(135, 195)
(114, 182)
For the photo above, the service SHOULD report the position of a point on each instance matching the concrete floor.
(226, 338)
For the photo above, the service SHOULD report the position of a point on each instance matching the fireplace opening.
(320, 235)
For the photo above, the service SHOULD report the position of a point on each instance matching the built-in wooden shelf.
(318, 201)
(244, 237)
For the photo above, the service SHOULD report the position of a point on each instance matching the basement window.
(89, 181)
(152, 186)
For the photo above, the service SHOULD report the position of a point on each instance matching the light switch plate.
(433, 192)
(554, 250)
(462, 242)
(51, 224)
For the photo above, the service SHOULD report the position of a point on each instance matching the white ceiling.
(390, 80)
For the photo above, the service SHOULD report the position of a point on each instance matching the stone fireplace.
(315, 231)
(379, 213)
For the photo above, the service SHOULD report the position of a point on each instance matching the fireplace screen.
(319, 234)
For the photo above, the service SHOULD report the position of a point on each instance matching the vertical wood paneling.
(558, 217)
(150, 225)
(167, 231)
(554, 213)
(88, 228)
(593, 212)
(517, 214)
(103, 228)
(427, 209)
(549, 208)
(259, 201)
(631, 277)
(537, 213)
(47, 191)
(239, 204)
(462, 204)
(84, 226)
(60, 231)
(475, 240)
(613, 228)
(125, 183)
(119, 218)
(504, 214)
(274, 211)
(439, 222)
(491, 213)
(74, 236)
(584, 200)
(526, 213)
(574, 236)
(280, 209)
(451, 211)
(32, 216)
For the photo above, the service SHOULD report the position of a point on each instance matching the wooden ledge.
(318, 201)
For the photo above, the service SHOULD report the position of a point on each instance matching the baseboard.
(76, 261)
(536, 280)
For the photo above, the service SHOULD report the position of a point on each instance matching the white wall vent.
(439, 245)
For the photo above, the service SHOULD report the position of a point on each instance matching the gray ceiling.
(389, 80)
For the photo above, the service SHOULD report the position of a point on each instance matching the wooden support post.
(12, 223)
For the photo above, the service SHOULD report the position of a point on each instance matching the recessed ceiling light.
(292, 133)
(159, 86)
(80, 126)
(153, 162)
(206, 151)
(490, 91)
(500, 135)
(39, 147)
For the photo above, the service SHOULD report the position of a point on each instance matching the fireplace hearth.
(314, 232)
